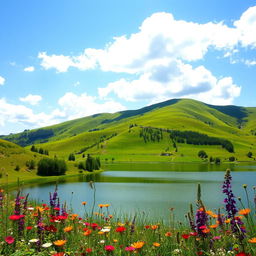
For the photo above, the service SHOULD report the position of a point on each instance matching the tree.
(217, 160)
(202, 154)
(249, 154)
(31, 164)
(51, 167)
(232, 159)
(71, 157)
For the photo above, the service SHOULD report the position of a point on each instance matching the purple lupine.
(201, 221)
(229, 201)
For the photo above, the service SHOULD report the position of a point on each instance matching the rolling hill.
(145, 134)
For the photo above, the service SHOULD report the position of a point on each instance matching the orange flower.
(227, 221)
(59, 242)
(68, 229)
(84, 203)
(107, 205)
(156, 244)
(214, 226)
(212, 214)
(101, 205)
(206, 230)
(168, 234)
(244, 211)
(154, 227)
(74, 216)
(138, 245)
(87, 232)
(252, 240)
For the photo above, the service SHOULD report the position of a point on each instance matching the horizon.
(61, 61)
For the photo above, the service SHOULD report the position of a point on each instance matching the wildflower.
(185, 236)
(154, 227)
(176, 251)
(101, 205)
(51, 228)
(216, 238)
(214, 226)
(34, 240)
(120, 229)
(147, 226)
(88, 250)
(106, 229)
(16, 217)
(94, 226)
(87, 232)
(84, 203)
(46, 245)
(9, 240)
(252, 240)
(130, 249)
(59, 254)
(109, 248)
(106, 205)
(68, 229)
(243, 254)
(206, 230)
(29, 227)
(102, 241)
(156, 244)
(244, 211)
(60, 242)
(115, 240)
(167, 234)
(138, 245)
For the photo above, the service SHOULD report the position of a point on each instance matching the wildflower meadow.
(29, 228)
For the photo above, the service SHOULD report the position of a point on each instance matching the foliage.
(202, 154)
(51, 167)
(92, 163)
(40, 150)
(249, 154)
(71, 157)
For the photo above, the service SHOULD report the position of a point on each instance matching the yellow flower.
(244, 211)
(40, 209)
(138, 245)
(59, 242)
(227, 221)
(156, 244)
(68, 229)
(115, 240)
(252, 240)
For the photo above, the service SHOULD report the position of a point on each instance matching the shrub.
(249, 154)
(17, 168)
(202, 154)
(51, 167)
(232, 159)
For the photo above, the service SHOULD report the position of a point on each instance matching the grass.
(30, 228)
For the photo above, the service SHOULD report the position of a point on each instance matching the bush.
(249, 154)
(217, 160)
(92, 163)
(51, 167)
(31, 164)
(202, 154)
(17, 168)
(232, 159)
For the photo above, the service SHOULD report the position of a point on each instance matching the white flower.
(105, 229)
(46, 245)
(31, 208)
(102, 241)
(177, 251)
(35, 240)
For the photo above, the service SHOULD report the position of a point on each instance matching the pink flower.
(109, 248)
(9, 240)
(216, 238)
(129, 249)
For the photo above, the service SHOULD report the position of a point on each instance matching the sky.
(63, 59)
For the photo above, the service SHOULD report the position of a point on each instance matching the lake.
(150, 190)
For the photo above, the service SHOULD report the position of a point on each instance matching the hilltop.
(145, 134)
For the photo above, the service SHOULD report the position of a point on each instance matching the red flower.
(9, 240)
(50, 228)
(109, 248)
(243, 254)
(94, 226)
(29, 228)
(59, 254)
(185, 236)
(88, 250)
(200, 253)
(16, 217)
(147, 226)
(120, 229)
(193, 233)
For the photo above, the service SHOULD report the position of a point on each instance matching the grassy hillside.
(115, 136)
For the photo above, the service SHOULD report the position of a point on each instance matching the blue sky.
(61, 60)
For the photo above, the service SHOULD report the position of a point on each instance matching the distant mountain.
(133, 135)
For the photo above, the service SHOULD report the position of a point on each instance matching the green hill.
(118, 136)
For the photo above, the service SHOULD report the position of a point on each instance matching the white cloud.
(246, 26)
(175, 80)
(2, 80)
(29, 69)
(62, 63)
(75, 106)
(71, 106)
(31, 99)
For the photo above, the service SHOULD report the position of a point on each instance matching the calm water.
(150, 192)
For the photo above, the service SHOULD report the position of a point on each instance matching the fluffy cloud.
(62, 63)
(71, 106)
(175, 80)
(162, 56)
(2, 80)
(20, 114)
(29, 69)
(31, 99)
(75, 106)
